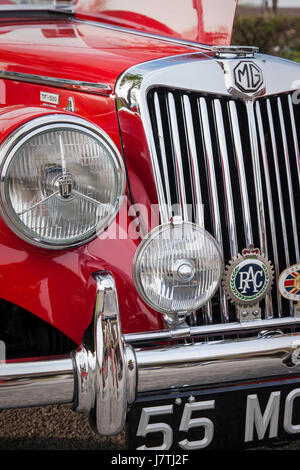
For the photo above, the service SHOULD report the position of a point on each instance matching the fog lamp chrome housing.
(62, 180)
(177, 268)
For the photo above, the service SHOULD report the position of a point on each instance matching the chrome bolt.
(244, 314)
(184, 270)
(192, 399)
(178, 401)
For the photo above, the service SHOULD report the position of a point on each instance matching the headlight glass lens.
(62, 185)
(177, 268)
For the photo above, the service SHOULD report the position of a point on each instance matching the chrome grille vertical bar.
(258, 192)
(231, 226)
(269, 197)
(295, 138)
(195, 179)
(279, 191)
(178, 157)
(193, 159)
(278, 182)
(213, 190)
(241, 172)
(289, 180)
(163, 208)
(163, 154)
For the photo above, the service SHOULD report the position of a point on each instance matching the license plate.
(229, 417)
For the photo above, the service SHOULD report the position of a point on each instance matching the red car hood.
(76, 50)
(205, 21)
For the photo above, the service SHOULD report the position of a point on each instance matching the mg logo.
(248, 76)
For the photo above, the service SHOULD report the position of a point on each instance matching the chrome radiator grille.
(232, 167)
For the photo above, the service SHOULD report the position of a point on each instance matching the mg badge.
(289, 285)
(248, 76)
(248, 279)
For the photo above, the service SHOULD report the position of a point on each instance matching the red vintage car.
(149, 222)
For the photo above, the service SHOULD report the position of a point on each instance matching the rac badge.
(247, 280)
(289, 285)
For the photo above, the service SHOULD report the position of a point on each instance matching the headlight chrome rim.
(50, 123)
(171, 316)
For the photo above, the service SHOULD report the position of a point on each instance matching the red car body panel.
(76, 51)
(56, 285)
(194, 20)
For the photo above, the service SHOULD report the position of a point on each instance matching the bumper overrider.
(105, 375)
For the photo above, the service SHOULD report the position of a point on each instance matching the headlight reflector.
(62, 180)
(177, 268)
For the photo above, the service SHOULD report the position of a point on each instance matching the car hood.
(77, 50)
(204, 21)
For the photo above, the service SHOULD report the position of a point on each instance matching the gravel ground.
(59, 428)
(51, 428)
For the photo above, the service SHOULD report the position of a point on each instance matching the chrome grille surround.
(248, 143)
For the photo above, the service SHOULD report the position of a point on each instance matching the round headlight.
(177, 268)
(61, 181)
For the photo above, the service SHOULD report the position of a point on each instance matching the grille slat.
(182, 207)
(269, 195)
(224, 161)
(163, 155)
(235, 161)
(212, 186)
(239, 155)
(259, 196)
(278, 183)
(295, 138)
(196, 184)
(289, 180)
(193, 158)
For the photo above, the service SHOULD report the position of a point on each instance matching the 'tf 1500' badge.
(248, 279)
(289, 285)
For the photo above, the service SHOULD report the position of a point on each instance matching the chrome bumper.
(103, 377)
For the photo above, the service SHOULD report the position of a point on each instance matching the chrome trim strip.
(209, 158)
(261, 133)
(196, 185)
(164, 210)
(290, 185)
(163, 155)
(209, 330)
(21, 7)
(235, 51)
(180, 185)
(279, 192)
(257, 179)
(74, 85)
(106, 370)
(241, 172)
(231, 225)
(36, 383)
(258, 194)
(278, 182)
(296, 144)
(193, 160)
(188, 365)
(182, 42)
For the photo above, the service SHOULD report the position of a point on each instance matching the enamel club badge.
(289, 285)
(248, 279)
